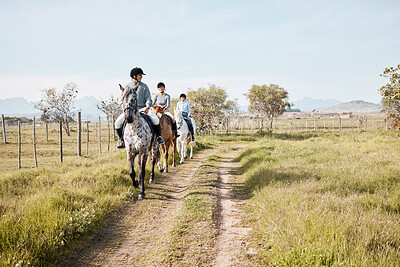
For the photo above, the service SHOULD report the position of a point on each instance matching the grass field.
(312, 199)
(44, 210)
(324, 199)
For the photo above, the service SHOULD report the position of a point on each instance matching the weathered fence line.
(3, 122)
(61, 147)
(19, 145)
(79, 137)
(87, 137)
(34, 142)
(99, 135)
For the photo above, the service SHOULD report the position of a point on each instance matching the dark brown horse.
(167, 134)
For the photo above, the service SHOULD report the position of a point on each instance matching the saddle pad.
(147, 118)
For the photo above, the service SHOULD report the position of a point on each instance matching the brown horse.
(167, 134)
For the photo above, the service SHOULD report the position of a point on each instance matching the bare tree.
(58, 106)
(111, 107)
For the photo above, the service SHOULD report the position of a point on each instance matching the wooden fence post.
(61, 147)
(4, 129)
(19, 145)
(340, 123)
(79, 138)
(365, 125)
(113, 127)
(47, 131)
(109, 134)
(34, 142)
(315, 124)
(87, 137)
(227, 126)
(99, 134)
(387, 125)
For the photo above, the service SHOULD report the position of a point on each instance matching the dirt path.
(134, 236)
(230, 241)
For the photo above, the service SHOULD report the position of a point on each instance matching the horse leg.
(160, 168)
(132, 174)
(185, 150)
(178, 145)
(142, 172)
(191, 149)
(154, 158)
(166, 157)
(173, 152)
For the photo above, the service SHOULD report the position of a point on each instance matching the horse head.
(129, 103)
(178, 118)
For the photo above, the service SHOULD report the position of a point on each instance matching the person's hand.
(146, 110)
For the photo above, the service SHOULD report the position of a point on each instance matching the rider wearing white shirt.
(163, 99)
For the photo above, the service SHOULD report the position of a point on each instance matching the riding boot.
(121, 143)
(192, 133)
(175, 130)
(157, 130)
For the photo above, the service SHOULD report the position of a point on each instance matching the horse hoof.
(162, 169)
(141, 196)
(151, 181)
(173, 165)
(185, 157)
(191, 157)
(181, 162)
(166, 171)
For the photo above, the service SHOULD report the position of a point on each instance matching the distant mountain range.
(309, 104)
(356, 106)
(20, 107)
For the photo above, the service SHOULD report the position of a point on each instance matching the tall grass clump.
(327, 199)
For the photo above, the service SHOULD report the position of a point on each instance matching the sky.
(312, 48)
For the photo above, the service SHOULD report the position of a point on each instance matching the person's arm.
(188, 106)
(155, 100)
(147, 96)
(168, 102)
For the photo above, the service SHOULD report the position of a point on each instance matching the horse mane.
(129, 90)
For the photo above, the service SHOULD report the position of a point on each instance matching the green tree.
(207, 104)
(391, 94)
(59, 105)
(268, 100)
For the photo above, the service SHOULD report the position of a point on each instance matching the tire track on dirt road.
(230, 242)
(133, 235)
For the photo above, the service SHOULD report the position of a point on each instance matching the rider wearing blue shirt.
(184, 106)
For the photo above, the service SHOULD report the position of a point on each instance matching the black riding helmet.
(182, 95)
(160, 84)
(136, 71)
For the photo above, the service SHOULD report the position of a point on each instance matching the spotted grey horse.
(139, 140)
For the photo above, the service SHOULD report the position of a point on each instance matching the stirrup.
(160, 140)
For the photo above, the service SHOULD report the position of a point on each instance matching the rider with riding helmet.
(163, 99)
(184, 106)
(144, 105)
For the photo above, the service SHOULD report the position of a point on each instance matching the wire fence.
(29, 145)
